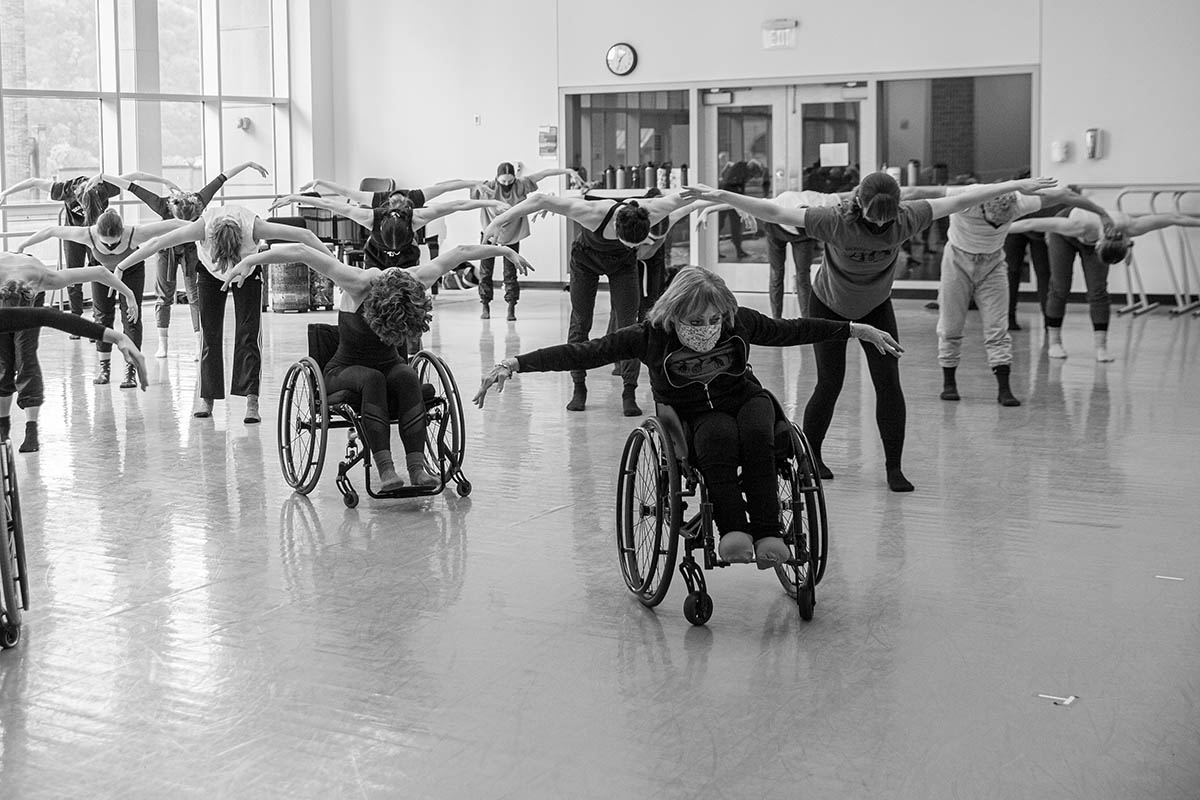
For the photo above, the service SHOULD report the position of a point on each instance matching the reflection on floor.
(198, 630)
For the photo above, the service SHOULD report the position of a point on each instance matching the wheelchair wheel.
(16, 530)
(10, 601)
(649, 512)
(801, 520)
(445, 434)
(303, 425)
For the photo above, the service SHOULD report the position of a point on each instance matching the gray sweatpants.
(983, 276)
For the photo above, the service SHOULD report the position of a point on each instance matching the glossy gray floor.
(197, 630)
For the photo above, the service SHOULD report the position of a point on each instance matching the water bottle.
(661, 179)
(914, 172)
(649, 176)
(610, 178)
(683, 174)
(622, 177)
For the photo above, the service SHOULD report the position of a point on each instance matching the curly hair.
(633, 223)
(397, 307)
(185, 205)
(692, 290)
(225, 241)
(14, 294)
(110, 223)
(1000, 210)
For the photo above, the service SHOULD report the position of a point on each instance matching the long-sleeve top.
(680, 377)
(23, 319)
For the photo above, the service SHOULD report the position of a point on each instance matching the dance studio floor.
(197, 630)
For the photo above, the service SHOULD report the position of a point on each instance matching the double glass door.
(764, 141)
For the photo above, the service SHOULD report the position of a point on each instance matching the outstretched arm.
(245, 165)
(70, 233)
(586, 212)
(62, 278)
(288, 233)
(181, 232)
(439, 189)
(348, 278)
(920, 192)
(1064, 226)
(763, 209)
(316, 184)
(142, 177)
(1153, 222)
(363, 216)
(953, 204)
(538, 177)
(1066, 197)
(427, 214)
(44, 184)
(452, 258)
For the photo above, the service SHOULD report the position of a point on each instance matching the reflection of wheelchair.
(14, 578)
(307, 412)
(656, 475)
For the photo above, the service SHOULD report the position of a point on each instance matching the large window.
(178, 88)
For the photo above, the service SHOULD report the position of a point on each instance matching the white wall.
(1102, 63)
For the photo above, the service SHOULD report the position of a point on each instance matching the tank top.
(110, 258)
(376, 254)
(358, 345)
(595, 241)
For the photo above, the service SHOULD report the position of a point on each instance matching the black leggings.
(104, 306)
(890, 412)
(1015, 245)
(724, 441)
(394, 393)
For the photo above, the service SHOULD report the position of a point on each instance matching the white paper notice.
(835, 154)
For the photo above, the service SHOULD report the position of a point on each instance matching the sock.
(416, 470)
(1054, 339)
(949, 384)
(1005, 396)
(387, 470)
(162, 344)
(30, 445)
(579, 398)
(629, 401)
(1100, 339)
(5, 427)
(896, 480)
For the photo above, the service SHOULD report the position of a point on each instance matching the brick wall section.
(952, 104)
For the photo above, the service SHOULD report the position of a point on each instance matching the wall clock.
(621, 59)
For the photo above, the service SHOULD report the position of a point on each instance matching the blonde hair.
(691, 291)
(225, 242)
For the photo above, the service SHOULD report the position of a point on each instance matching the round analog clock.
(621, 58)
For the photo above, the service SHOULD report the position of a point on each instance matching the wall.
(412, 76)
(1101, 63)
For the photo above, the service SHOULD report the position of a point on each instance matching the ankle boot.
(629, 404)
(30, 445)
(486, 313)
(131, 378)
(512, 312)
(578, 398)
(103, 373)
(1005, 395)
(949, 384)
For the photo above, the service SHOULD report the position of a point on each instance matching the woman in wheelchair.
(380, 311)
(695, 343)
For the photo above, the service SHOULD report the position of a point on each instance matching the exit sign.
(779, 33)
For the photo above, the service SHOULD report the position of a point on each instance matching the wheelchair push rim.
(445, 435)
(12, 495)
(648, 509)
(10, 601)
(800, 517)
(303, 425)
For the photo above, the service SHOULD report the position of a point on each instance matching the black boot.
(1013, 325)
(512, 312)
(131, 377)
(486, 313)
(103, 374)
(579, 398)
(949, 384)
(1005, 396)
(5, 427)
(30, 445)
(629, 401)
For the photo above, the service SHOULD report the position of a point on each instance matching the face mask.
(505, 186)
(700, 338)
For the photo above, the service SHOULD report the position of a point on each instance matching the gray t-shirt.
(514, 230)
(860, 264)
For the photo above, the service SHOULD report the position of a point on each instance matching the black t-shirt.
(160, 205)
(76, 213)
(414, 196)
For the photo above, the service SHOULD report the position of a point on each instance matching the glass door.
(762, 142)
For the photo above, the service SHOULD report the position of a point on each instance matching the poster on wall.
(548, 141)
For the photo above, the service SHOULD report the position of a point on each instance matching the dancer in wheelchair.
(695, 343)
(380, 311)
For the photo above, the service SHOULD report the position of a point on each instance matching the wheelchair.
(307, 412)
(655, 483)
(14, 577)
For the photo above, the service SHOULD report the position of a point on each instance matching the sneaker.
(252, 415)
(486, 313)
(131, 377)
(770, 551)
(736, 547)
(103, 374)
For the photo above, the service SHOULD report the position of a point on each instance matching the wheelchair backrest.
(680, 436)
(322, 342)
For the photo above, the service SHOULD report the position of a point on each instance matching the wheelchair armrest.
(675, 429)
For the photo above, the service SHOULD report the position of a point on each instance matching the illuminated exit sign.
(779, 33)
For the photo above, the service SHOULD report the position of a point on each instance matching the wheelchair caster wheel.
(806, 601)
(698, 608)
(350, 499)
(464, 487)
(9, 635)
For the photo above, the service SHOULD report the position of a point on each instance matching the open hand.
(498, 376)
(700, 192)
(135, 357)
(882, 340)
(237, 275)
(285, 200)
(1033, 185)
(523, 266)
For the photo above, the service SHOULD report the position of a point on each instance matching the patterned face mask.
(700, 338)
